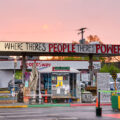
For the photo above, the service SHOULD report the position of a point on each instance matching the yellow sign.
(59, 81)
(59, 77)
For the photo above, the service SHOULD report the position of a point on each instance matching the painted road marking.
(112, 115)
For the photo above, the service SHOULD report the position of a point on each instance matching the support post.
(23, 68)
(40, 97)
(91, 68)
(73, 85)
(80, 89)
(13, 89)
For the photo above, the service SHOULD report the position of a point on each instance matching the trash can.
(115, 101)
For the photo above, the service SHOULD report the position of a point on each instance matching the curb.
(103, 104)
(50, 105)
(17, 106)
(53, 105)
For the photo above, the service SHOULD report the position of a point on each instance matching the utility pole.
(82, 30)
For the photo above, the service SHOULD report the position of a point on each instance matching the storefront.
(59, 83)
(7, 68)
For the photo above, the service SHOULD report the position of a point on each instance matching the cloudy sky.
(58, 20)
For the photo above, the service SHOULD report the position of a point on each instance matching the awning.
(49, 70)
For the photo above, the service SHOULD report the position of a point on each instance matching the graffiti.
(87, 97)
(105, 97)
(39, 64)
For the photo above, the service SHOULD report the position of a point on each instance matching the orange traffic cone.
(96, 102)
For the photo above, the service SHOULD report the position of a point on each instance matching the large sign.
(98, 49)
(46, 47)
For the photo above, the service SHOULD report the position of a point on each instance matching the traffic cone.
(96, 102)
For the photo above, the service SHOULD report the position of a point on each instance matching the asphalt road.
(56, 113)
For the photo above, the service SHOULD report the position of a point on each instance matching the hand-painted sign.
(23, 46)
(38, 64)
(108, 49)
(98, 49)
(46, 47)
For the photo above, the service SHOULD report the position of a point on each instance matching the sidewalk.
(22, 105)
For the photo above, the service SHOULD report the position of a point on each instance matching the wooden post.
(91, 68)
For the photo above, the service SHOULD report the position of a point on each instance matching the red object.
(46, 96)
(96, 102)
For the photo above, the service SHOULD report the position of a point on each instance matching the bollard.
(98, 108)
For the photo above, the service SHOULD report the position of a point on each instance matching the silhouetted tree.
(94, 38)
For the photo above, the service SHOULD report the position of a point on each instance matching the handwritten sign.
(98, 49)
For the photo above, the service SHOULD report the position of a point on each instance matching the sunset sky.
(58, 20)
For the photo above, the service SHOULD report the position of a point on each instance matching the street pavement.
(58, 113)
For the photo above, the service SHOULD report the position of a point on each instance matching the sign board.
(98, 49)
(61, 69)
(46, 47)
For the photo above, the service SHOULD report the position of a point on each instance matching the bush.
(110, 68)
